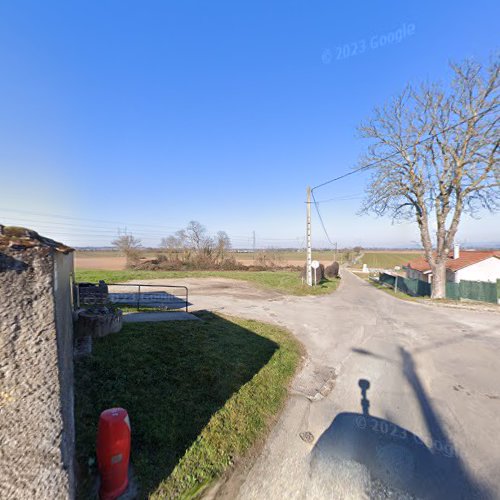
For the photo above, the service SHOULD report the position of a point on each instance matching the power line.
(392, 155)
(396, 153)
(121, 224)
(321, 219)
(78, 231)
(341, 198)
(45, 214)
(75, 231)
(74, 227)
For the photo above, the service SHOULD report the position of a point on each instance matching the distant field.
(291, 255)
(388, 259)
(115, 261)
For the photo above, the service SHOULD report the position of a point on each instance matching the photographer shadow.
(384, 460)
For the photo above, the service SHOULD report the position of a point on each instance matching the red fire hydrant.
(113, 452)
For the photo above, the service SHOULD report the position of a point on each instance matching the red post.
(113, 452)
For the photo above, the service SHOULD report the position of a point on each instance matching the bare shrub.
(130, 246)
(193, 248)
(269, 259)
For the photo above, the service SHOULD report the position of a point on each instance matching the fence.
(134, 295)
(140, 296)
(410, 286)
(474, 290)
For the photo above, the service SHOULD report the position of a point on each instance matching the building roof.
(21, 238)
(466, 258)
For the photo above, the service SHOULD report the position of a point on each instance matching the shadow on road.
(388, 461)
(145, 300)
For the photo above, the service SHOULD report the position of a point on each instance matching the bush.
(332, 271)
(189, 262)
(268, 260)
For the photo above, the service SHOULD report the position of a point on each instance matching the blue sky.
(146, 115)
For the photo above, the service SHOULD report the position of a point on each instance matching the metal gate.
(164, 297)
(149, 296)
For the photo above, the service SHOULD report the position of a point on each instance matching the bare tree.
(170, 243)
(174, 243)
(193, 246)
(437, 153)
(198, 240)
(271, 258)
(130, 246)
(222, 245)
(196, 234)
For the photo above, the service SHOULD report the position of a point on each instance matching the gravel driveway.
(396, 399)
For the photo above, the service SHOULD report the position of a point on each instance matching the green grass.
(199, 395)
(387, 289)
(386, 260)
(287, 282)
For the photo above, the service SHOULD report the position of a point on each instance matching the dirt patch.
(111, 263)
(217, 287)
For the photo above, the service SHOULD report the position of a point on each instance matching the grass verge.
(287, 282)
(387, 289)
(463, 304)
(199, 395)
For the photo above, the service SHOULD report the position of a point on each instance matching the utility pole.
(335, 258)
(308, 236)
(253, 246)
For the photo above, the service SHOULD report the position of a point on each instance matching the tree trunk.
(439, 280)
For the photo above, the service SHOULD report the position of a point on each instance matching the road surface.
(396, 399)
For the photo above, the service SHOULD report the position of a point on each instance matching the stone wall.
(36, 372)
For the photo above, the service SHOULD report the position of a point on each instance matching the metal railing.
(154, 299)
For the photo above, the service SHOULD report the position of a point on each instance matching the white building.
(469, 265)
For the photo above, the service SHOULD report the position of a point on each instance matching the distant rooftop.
(22, 238)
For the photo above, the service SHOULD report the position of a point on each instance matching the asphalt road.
(396, 399)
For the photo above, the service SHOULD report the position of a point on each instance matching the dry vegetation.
(272, 258)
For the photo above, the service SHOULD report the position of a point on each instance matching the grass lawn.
(287, 282)
(199, 395)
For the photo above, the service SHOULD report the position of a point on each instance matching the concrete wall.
(63, 274)
(36, 375)
(486, 270)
